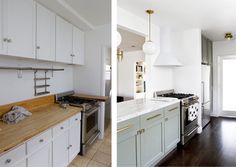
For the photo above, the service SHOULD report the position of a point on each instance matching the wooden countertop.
(43, 118)
(91, 97)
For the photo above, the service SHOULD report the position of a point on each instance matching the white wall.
(126, 73)
(220, 48)
(13, 89)
(158, 78)
(187, 78)
(88, 77)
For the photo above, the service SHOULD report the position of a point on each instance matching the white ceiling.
(86, 14)
(214, 17)
(130, 41)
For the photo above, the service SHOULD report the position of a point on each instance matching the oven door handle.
(192, 131)
(91, 112)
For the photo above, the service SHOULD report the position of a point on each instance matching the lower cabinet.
(66, 144)
(149, 139)
(20, 164)
(127, 143)
(152, 139)
(172, 132)
(42, 157)
(55, 147)
(60, 150)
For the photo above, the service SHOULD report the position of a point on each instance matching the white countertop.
(134, 108)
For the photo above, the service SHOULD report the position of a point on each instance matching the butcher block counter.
(42, 118)
(91, 97)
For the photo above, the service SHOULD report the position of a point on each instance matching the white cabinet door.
(45, 34)
(74, 140)
(3, 44)
(20, 164)
(63, 41)
(78, 46)
(20, 16)
(42, 157)
(60, 150)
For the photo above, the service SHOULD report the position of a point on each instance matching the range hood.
(166, 57)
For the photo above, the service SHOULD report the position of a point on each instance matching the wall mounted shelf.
(37, 87)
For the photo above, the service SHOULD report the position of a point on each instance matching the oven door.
(90, 124)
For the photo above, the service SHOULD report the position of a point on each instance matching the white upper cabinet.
(19, 28)
(45, 34)
(2, 42)
(63, 41)
(78, 46)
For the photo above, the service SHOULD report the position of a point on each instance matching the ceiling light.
(228, 36)
(119, 55)
(149, 47)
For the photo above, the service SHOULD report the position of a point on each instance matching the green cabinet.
(145, 140)
(206, 51)
(172, 128)
(151, 142)
(127, 143)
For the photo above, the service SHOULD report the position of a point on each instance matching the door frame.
(220, 87)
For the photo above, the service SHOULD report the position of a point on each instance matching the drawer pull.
(173, 109)
(153, 117)
(41, 140)
(8, 161)
(62, 128)
(124, 128)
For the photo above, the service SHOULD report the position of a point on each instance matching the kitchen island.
(147, 130)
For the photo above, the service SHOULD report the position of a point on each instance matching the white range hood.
(166, 57)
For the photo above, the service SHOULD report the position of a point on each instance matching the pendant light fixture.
(228, 36)
(149, 47)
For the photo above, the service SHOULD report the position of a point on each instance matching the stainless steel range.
(89, 128)
(189, 106)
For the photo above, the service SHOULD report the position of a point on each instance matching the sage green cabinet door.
(127, 152)
(152, 143)
(172, 132)
(127, 140)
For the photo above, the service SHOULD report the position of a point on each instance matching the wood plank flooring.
(216, 146)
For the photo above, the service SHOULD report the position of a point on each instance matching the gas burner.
(177, 95)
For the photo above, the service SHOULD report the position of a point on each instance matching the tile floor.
(98, 155)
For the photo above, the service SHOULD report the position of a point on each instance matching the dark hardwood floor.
(216, 146)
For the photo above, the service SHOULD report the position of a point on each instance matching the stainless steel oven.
(90, 130)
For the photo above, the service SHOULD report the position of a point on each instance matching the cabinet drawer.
(128, 128)
(13, 156)
(60, 128)
(172, 109)
(39, 141)
(75, 119)
(151, 118)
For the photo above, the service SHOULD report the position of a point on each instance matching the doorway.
(228, 86)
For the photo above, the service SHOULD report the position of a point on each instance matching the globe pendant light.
(149, 47)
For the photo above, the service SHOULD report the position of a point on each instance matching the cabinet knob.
(62, 128)
(8, 161)
(41, 140)
(38, 47)
(5, 40)
(76, 119)
(9, 40)
(166, 119)
(70, 146)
